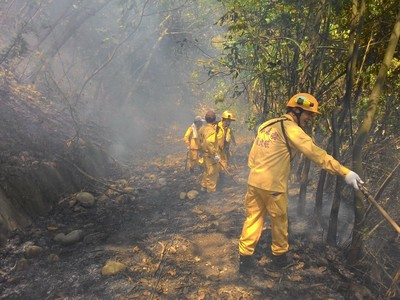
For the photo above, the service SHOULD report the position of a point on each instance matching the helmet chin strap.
(297, 112)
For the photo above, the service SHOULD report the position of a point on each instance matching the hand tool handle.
(364, 190)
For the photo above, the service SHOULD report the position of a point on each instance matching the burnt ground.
(172, 248)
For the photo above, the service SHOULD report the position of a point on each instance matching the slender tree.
(343, 108)
(355, 248)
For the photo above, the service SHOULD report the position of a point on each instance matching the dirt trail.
(172, 248)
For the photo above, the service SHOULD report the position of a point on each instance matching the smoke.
(132, 70)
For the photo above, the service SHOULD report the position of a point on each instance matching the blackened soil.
(172, 248)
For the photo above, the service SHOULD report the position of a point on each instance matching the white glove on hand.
(217, 158)
(188, 147)
(352, 178)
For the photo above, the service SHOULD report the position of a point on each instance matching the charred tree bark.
(319, 197)
(343, 108)
(333, 218)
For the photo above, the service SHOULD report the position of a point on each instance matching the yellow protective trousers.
(210, 174)
(224, 160)
(193, 158)
(258, 203)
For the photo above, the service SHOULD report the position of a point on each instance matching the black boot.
(246, 264)
(279, 262)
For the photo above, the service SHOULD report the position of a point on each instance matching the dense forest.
(91, 90)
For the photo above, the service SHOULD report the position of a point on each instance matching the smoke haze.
(125, 67)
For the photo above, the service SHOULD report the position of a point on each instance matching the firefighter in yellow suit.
(277, 141)
(211, 156)
(191, 139)
(225, 138)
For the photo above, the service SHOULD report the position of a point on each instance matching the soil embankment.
(42, 157)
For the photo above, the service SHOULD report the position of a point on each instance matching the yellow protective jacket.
(224, 136)
(190, 138)
(207, 135)
(269, 158)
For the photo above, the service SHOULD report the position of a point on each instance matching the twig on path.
(159, 269)
(164, 251)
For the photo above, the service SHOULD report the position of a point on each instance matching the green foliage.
(219, 96)
(251, 122)
(273, 49)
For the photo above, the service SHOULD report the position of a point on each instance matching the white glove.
(188, 147)
(353, 179)
(217, 158)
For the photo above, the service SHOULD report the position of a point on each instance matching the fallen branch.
(94, 179)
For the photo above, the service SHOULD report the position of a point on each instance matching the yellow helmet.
(228, 115)
(304, 101)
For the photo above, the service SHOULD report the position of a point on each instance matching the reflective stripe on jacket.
(269, 158)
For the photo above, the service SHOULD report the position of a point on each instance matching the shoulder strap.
(286, 140)
(272, 123)
(284, 134)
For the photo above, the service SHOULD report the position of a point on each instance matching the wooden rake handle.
(367, 194)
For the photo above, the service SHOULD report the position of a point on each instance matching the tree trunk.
(340, 114)
(308, 82)
(332, 227)
(320, 192)
(319, 197)
(361, 137)
(333, 217)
